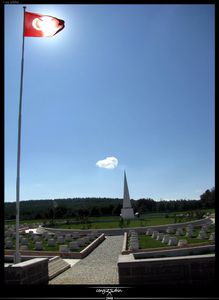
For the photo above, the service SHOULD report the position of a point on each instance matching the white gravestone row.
(133, 240)
(164, 238)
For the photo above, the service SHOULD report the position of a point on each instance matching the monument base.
(127, 213)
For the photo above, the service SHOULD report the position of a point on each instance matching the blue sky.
(133, 82)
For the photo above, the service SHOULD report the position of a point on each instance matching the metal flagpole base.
(17, 258)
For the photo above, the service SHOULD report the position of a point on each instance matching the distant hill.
(85, 207)
(71, 207)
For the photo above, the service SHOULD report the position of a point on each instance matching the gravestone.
(51, 242)
(63, 248)
(60, 240)
(165, 239)
(172, 241)
(24, 241)
(154, 234)
(75, 235)
(86, 239)
(149, 231)
(189, 227)
(8, 244)
(182, 243)
(190, 234)
(45, 235)
(212, 237)
(36, 238)
(205, 228)
(68, 237)
(133, 245)
(160, 236)
(74, 246)
(38, 246)
(179, 231)
(202, 235)
(170, 230)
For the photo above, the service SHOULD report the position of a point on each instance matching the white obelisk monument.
(127, 210)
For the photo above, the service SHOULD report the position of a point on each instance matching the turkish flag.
(36, 25)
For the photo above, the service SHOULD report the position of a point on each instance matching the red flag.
(36, 25)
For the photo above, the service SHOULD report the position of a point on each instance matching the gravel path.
(99, 267)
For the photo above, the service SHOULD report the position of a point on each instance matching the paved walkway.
(99, 267)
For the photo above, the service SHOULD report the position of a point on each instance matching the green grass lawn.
(104, 222)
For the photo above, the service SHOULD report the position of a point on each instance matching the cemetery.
(173, 253)
(166, 255)
(48, 244)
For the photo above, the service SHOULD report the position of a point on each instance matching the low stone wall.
(195, 250)
(121, 231)
(34, 271)
(195, 269)
(70, 255)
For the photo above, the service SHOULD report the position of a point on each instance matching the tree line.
(80, 208)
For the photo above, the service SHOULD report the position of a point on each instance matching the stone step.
(56, 266)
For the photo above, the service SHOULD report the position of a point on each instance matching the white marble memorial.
(127, 212)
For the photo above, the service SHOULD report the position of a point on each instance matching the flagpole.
(17, 257)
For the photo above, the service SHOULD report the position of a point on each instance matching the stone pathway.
(99, 267)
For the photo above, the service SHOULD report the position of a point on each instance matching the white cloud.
(108, 163)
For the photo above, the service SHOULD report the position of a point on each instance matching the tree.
(208, 198)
